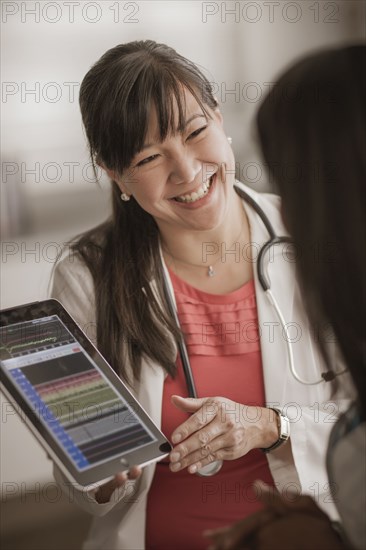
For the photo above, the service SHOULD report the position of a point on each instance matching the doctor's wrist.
(281, 426)
(270, 430)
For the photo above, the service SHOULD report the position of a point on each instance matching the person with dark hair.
(313, 124)
(173, 283)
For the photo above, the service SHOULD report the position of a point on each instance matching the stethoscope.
(265, 283)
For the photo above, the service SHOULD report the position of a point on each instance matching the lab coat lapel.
(273, 342)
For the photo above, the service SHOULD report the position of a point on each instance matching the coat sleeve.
(313, 411)
(312, 421)
(72, 285)
(121, 498)
(311, 434)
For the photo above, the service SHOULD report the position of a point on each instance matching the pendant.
(210, 271)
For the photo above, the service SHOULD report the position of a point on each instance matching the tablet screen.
(69, 393)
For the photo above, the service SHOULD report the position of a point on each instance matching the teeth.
(202, 191)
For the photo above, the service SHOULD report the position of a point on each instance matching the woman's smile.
(198, 197)
(179, 180)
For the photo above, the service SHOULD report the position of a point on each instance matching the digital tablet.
(79, 409)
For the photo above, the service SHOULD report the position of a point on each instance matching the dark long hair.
(116, 97)
(312, 131)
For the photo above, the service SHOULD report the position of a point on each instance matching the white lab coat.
(120, 524)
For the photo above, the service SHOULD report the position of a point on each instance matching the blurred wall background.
(47, 189)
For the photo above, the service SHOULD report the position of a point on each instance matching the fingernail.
(174, 457)
(176, 438)
(261, 484)
(261, 487)
(192, 469)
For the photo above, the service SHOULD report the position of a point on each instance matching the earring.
(125, 197)
(230, 139)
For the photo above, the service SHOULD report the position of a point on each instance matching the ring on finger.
(205, 450)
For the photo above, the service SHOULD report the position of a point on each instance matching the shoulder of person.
(72, 285)
(346, 453)
(71, 272)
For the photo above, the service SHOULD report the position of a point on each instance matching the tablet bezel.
(95, 475)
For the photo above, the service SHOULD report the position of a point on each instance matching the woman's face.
(186, 181)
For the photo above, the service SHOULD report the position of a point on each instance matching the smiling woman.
(185, 166)
(180, 221)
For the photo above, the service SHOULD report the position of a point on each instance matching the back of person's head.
(119, 91)
(312, 131)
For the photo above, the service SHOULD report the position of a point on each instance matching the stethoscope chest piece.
(210, 469)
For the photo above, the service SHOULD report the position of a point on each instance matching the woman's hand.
(104, 492)
(219, 429)
(283, 523)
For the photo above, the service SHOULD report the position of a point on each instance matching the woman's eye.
(197, 132)
(147, 160)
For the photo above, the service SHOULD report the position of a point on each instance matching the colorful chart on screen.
(73, 395)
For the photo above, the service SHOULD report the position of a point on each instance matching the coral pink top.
(221, 333)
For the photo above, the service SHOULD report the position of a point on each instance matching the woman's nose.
(184, 169)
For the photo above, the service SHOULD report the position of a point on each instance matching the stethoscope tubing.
(182, 348)
(266, 286)
(213, 467)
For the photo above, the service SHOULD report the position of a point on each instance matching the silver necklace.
(210, 269)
